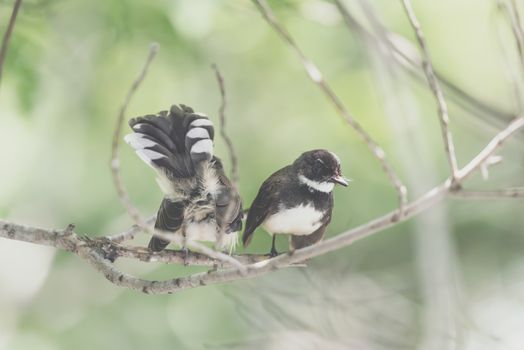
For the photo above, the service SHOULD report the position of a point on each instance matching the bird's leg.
(273, 251)
(185, 251)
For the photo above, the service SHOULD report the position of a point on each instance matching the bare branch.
(512, 12)
(98, 257)
(7, 35)
(516, 193)
(513, 73)
(133, 212)
(68, 240)
(130, 233)
(115, 160)
(488, 151)
(230, 147)
(316, 76)
(222, 119)
(435, 88)
(405, 56)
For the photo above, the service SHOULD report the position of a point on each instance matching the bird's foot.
(273, 253)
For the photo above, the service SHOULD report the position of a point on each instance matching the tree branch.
(115, 157)
(100, 258)
(516, 193)
(133, 212)
(435, 88)
(222, 119)
(405, 56)
(7, 35)
(316, 76)
(512, 12)
(130, 233)
(488, 151)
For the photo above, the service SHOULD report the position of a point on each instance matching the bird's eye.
(320, 161)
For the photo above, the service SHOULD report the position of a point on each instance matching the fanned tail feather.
(174, 143)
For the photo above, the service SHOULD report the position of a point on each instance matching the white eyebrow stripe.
(201, 122)
(198, 133)
(203, 146)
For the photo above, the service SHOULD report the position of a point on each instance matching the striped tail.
(174, 143)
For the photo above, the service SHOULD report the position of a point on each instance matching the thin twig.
(230, 148)
(316, 76)
(71, 242)
(435, 88)
(130, 233)
(517, 192)
(488, 151)
(133, 212)
(405, 56)
(7, 35)
(513, 73)
(217, 255)
(115, 160)
(223, 133)
(512, 12)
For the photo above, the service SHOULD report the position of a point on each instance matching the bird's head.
(320, 170)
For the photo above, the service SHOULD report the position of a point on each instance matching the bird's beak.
(339, 179)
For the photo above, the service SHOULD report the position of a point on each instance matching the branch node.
(68, 231)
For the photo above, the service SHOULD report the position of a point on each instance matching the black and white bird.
(199, 204)
(297, 200)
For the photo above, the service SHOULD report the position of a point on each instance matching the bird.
(297, 200)
(199, 203)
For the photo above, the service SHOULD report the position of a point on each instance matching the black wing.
(169, 218)
(263, 204)
(229, 211)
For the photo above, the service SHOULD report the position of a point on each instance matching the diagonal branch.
(130, 233)
(97, 257)
(512, 12)
(410, 61)
(496, 142)
(435, 89)
(7, 35)
(115, 158)
(133, 212)
(222, 119)
(316, 76)
(517, 192)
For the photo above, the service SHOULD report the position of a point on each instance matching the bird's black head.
(319, 169)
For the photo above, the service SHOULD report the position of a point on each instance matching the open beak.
(339, 179)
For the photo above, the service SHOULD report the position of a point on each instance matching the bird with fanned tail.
(200, 203)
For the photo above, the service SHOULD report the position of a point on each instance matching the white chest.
(301, 220)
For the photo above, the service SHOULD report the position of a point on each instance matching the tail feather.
(173, 143)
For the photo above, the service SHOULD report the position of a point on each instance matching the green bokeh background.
(68, 69)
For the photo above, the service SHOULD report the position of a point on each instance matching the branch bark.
(515, 193)
(7, 35)
(223, 133)
(133, 212)
(96, 256)
(435, 89)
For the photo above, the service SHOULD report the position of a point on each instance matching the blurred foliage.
(68, 68)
